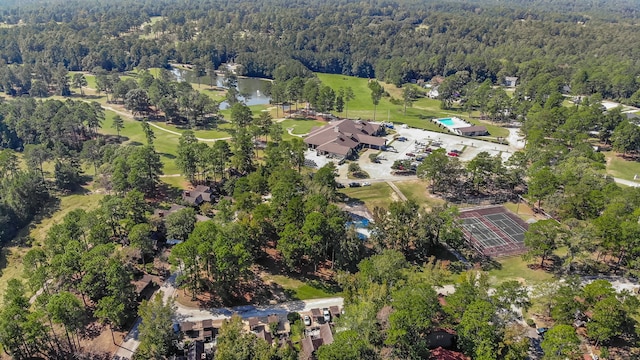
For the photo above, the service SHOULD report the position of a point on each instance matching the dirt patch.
(98, 340)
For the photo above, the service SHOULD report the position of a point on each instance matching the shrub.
(531, 322)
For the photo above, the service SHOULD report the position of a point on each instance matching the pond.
(253, 86)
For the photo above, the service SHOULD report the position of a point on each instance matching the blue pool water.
(446, 121)
(359, 224)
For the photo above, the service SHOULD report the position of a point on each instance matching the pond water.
(252, 86)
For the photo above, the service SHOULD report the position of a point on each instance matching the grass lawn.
(417, 191)
(514, 268)
(621, 168)
(179, 182)
(11, 265)
(418, 116)
(378, 194)
(301, 126)
(203, 134)
(299, 290)
(165, 143)
(522, 210)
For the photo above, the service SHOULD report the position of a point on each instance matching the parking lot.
(468, 148)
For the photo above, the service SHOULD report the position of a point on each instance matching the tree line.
(592, 53)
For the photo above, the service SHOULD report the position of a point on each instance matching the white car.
(327, 315)
(307, 320)
(366, 183)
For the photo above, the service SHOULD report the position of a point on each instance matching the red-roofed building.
(444, 354)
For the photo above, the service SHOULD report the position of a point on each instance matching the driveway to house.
(185, 313)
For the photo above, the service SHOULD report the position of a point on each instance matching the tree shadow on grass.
(168, 156)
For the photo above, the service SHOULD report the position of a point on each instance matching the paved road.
(626, 182)
(184, 313)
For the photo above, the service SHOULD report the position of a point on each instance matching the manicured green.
(11, 255)
(418, 116)
(378, 194)
(165, 143)
(299, 290)
(301, 126)
(514, 268)
(621, 168)
(417, 191)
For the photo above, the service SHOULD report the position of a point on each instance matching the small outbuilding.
(472, 131)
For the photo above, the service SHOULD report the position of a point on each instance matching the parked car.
(453, 154)
(307, 320)
(402, 139)
(340, 185)
(366, 183)
(354, 184)
(326, 314)
(428, 149)
(542, 330)
(456, 151)
(411, 154)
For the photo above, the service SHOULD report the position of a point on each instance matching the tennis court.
(494, 231)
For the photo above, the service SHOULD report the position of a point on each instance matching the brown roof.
(472, 129)
(265, 335)
(334, 310)
(335, 148)
(325, 334)
(444, 354)
(316, 312)
(186, 326)
(253, 322)
(341, 136)
(371, 140)
(307, 348)
(142, 283)
(273, 318)
(207, 323)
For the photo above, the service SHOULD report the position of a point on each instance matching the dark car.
(402, 138)
(340, 185)
(542, 330)
(354, 184)
(411, 154)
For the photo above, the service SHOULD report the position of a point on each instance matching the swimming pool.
(447, 121)
(359, 224)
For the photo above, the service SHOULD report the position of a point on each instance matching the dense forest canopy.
(592, 43)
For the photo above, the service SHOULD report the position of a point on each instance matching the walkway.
(626, 182)
(397, 190)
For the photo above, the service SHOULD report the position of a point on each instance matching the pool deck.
(451, 123)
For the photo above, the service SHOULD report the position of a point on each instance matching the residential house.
(142, 284)
(444, 354)
(161, 213)
(196, 351)
(510, 81)
(344, 138)
(198, 195)
(433, 93)
(313, 341)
